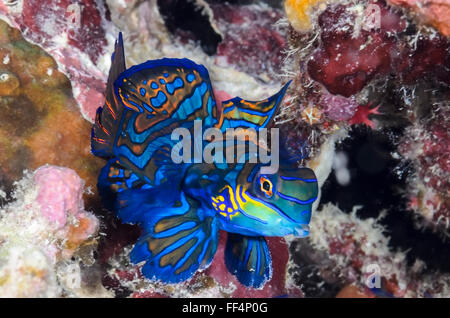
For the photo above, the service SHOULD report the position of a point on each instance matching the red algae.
(352, 55)
(251, 43)
(428, 147)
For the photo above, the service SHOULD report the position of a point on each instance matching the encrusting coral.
(41, 230)
(300, 13)
(73, 32)
(40, 122)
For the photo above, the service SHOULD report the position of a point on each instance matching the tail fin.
(106, 121)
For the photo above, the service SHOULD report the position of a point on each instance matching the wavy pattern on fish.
(182, 207)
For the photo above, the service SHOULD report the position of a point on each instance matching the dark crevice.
(372, 181)
(187, 20)
(310, 273)
(376, 185)
(273, 3)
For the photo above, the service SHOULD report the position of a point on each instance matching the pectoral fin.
(114, 178)
(248, 258)
(177, 241)
(138, 193)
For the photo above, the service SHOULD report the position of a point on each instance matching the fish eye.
(266, 186)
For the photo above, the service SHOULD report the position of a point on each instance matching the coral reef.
(40, 123)
(435, 13)
(349, 58)
(144, 26)
(427, 146)
(300, 13)
(358, 251)
(368, 110)
(60, 198)
(366, 63)
(41, 230)
(251, 44)
(73, 33)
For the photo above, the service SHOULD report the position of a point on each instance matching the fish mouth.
(301, 230)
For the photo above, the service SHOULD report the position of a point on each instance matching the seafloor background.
(368, 110)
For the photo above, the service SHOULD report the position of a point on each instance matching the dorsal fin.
(237, 112)
(108, 116)
(159, 96)
(166, 90)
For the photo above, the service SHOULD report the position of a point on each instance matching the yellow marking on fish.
(259, 106)
(235, 113)
(228, 104)
(234, 214)
(231, 195)
(245, 196)
(247, 199)
(220, 205)
(238, 196)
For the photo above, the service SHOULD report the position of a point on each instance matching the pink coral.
(60, 191)
(40, 230)
(60, 196)
(338, 107)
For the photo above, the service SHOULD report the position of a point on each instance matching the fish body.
(182, 206)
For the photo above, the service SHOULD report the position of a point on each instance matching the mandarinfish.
(182, 206)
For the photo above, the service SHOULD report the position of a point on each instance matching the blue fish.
(182, 206)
